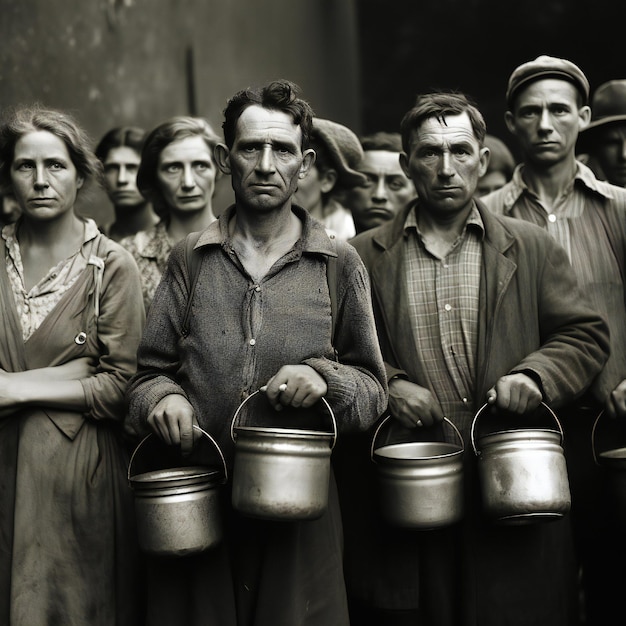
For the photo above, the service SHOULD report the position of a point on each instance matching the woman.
(337, 152)
(119, 152)
(72, 318)
(177, 174)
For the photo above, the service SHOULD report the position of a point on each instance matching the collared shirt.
(35, 304)
(150, 249)
(443, 298)
(574, 221)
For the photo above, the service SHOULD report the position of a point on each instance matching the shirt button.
(252, 342)
(257, 288)
(552, 218)
(465, 400)
(448, 307)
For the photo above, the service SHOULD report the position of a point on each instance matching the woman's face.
(186, 175)
(44, 179)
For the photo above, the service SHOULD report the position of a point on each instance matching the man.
(120, 153)
(261, 318)
(474, 308)
(547, 109)
(386, 190)
(604, 139)
(337, 152)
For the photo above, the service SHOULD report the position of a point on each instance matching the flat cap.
(343, 147)
(546, 66)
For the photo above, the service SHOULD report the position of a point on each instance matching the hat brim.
(609, 119)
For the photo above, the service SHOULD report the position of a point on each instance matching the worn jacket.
(531, 317)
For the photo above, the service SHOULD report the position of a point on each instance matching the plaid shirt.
(443, 302)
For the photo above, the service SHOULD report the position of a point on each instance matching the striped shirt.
(443, 295)
(574, 222)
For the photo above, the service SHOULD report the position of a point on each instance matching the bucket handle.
(132, 458)
(593, 438)
(389, 416)
(328, 408)
(486, 405)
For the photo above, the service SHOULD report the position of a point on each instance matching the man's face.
(266, 160)
(445, 162)
(120, 176)
(546, 120)
(385, 193)
(610, 151)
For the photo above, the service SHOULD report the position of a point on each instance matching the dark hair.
(279, 95)
(130, 136)
(389, 142)
(174, 129)
(439, 105)
(34, 119)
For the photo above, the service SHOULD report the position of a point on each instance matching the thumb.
(491, 395)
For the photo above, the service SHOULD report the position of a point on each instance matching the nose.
(265, 164)
(122, 176)
(545, 120)
(445, 168)
(41, 178)
(189, 182)
(380, 191)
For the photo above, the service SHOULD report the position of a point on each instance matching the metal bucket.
(420, 484)
(177, 509)
(522, 473)
(613, 461)
(281, 474)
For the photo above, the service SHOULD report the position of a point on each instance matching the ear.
(509, 120)
(79, 181)
(221, 154)
(404, 164)
(584, 117)
(328, 180)
(308, 159)
(484, 156)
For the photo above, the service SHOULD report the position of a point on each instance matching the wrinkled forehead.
(380, 161)
(445, 130)
(257, 124)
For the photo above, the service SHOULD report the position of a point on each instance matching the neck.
(182, 223)
(263, 228)
(130, 220)
(549, 183)
(44, 244)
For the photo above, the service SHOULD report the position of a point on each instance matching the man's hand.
(616, 403)
(517, 393)
(296, 386)
(173, 420)
(413, 405)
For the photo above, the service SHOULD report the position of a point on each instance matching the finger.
(159, 429)
(186, 437)
(492, 396)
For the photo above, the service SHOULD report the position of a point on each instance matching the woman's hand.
(296, 386)
(9, 400)
(173, 419)
(413, 405)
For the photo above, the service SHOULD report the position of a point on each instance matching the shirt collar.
(314, 240)
(583, 176)
(474, 220)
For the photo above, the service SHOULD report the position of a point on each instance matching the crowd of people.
(412, 275)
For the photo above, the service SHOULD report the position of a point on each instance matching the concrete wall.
(113, 62)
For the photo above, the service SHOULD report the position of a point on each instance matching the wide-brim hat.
(545, 66)
(608, 104)
(343, 147)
